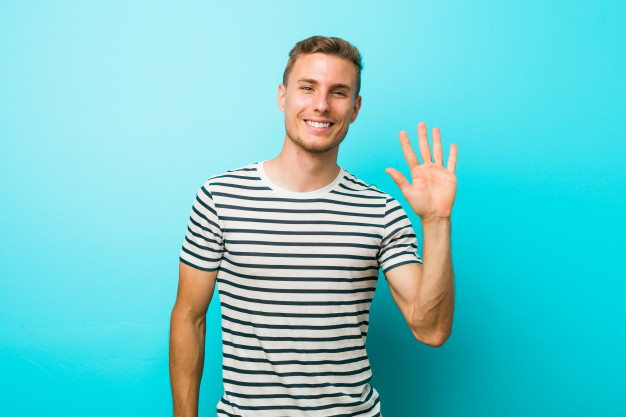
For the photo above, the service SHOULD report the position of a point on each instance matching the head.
(329, 46)
(320, 93)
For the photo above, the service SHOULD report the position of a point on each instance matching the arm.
(187, 333)
(425, 293)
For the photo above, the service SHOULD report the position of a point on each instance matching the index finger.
(452, 157)
(407, 150)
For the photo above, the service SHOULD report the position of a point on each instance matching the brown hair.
(330, 46)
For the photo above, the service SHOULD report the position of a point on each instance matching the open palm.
(432, 190)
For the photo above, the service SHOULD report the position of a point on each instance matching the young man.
(295, 244)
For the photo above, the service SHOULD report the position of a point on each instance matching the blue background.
(112, 114)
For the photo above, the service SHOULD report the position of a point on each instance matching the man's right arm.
(187, 333)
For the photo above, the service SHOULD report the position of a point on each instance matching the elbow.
(432, 326)
(433, 339)
(438, 342)
(185, 316)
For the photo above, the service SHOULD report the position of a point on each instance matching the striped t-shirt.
(296, 277)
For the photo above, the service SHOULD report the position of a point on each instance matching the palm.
(432, 190)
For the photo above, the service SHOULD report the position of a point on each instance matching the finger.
(397, 177)
(452, 158)
(437, 150)
(407, 149)
(423, 142)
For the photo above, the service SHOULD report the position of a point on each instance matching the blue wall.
(112, 114)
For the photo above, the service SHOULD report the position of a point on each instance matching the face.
(319, 102)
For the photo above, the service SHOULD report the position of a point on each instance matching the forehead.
(323, 68)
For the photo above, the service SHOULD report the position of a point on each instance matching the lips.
(318, 124)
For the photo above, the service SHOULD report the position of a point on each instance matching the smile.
(318, 125)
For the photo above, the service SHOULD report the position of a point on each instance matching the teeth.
(318, 125)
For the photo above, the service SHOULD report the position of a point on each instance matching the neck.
(297, 170)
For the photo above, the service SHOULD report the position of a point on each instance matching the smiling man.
(295, 245)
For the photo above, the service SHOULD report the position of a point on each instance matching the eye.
(339, 93)
(306, 88)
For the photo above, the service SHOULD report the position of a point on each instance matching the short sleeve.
(203, 246)
(399, 243)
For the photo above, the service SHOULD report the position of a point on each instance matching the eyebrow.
(334, 86)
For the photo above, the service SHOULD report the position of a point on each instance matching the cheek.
(300, 102)
(347, 112)
(292, 105)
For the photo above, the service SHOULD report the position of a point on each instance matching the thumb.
(397, 177)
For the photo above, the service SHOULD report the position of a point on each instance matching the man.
(295, 244)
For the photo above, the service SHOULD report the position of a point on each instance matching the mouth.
(318, 125)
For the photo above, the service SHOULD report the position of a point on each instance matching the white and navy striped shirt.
(296, 277)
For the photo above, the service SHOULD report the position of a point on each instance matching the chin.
(315, 146)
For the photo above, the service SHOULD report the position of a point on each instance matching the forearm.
(434, 305)
(186, 361)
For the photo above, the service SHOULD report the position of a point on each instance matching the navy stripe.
(296, 290)
(288, 374)
(300, 233)
(294, 327)
(393, 234)
(397, 219)
(295, 303)
(294, 315)
(395, 255)
(396, 208)
(294, 339)
(402, 237)
(294, 407)
(410, 245)
(307, 267)
(202, 258)
(356, 195)
(345, 187)
(292, 279)
(301, 255)
(246, 168)
(416, 261)
(209, 196)
(293, 397)
(293, 200)
(323, 244)
(291, 350)
(203, 247)
(196, 266)
(293, 362)
(205, 218)
(282, 221)
(277, 384)
(243, 187)
(362, 184)
(240, 177)
(296, 211)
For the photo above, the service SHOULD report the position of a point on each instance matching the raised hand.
(432, 190)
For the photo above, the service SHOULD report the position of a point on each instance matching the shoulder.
(249, 171)
(391, 207)
(354, 185)
(244, 177)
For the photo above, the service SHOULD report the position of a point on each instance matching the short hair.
(325, 45)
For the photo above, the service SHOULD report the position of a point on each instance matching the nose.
(321, 103)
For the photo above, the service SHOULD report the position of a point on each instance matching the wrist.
(434, 220)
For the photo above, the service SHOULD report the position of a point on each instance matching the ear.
(281, 97)
(355, 110)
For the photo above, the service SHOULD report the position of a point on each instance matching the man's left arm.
(425, 293)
